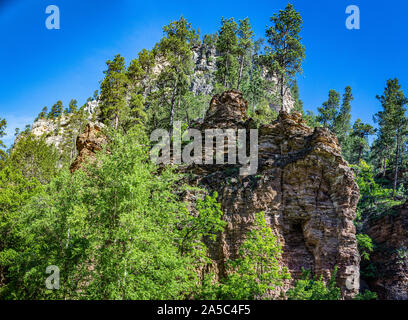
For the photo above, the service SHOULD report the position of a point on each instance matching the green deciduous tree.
(256, 271)
(309, 288)
(35, 158)
(116, 230)
(365, 245)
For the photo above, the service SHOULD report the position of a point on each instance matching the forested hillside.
(122, 227)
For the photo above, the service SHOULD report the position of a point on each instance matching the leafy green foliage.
(263, 113)
(35, 158)
(309, 288)
(3, 125)
(372, 193)
(116, 230)
(367, 295)
(30, 163)
(365, 246)
(256, 270)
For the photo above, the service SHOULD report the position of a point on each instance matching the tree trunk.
(384, 166)
(282, 93)
(360, 151)
(173, 103)
(241, 67)
(116, 121)
(226, 70)
(396, 164)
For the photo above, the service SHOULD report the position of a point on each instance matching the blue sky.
(40, 66)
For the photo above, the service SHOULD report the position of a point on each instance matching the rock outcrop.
(389, 261)
(303, 185)
(62, 131)
(88, 143)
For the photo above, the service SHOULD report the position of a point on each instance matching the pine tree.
(42, 114)
(359, 136)
(140, 72)
(342, 124)
(56, 110)
(244, 49)
(285, 53)
(113, 91)
(393, 122)
(254, 91)
(295, 95)
(328, 111)
(174, 80)
(227, 46)
(73, 107)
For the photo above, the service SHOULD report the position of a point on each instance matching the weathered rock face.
(390, 257)
(61, 131)
(204, 57)
(88, 143)
(303, 185)
(202, 82)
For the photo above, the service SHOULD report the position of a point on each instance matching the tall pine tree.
(285, 52)
(113, 91)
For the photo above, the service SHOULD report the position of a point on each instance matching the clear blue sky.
(40, 66)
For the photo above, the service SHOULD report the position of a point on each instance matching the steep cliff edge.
(303, 185)
(389, 261)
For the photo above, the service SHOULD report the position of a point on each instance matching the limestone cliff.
(303, 185)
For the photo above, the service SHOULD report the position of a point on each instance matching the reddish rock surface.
(390, 257)
(88, 143)
(303, 185)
